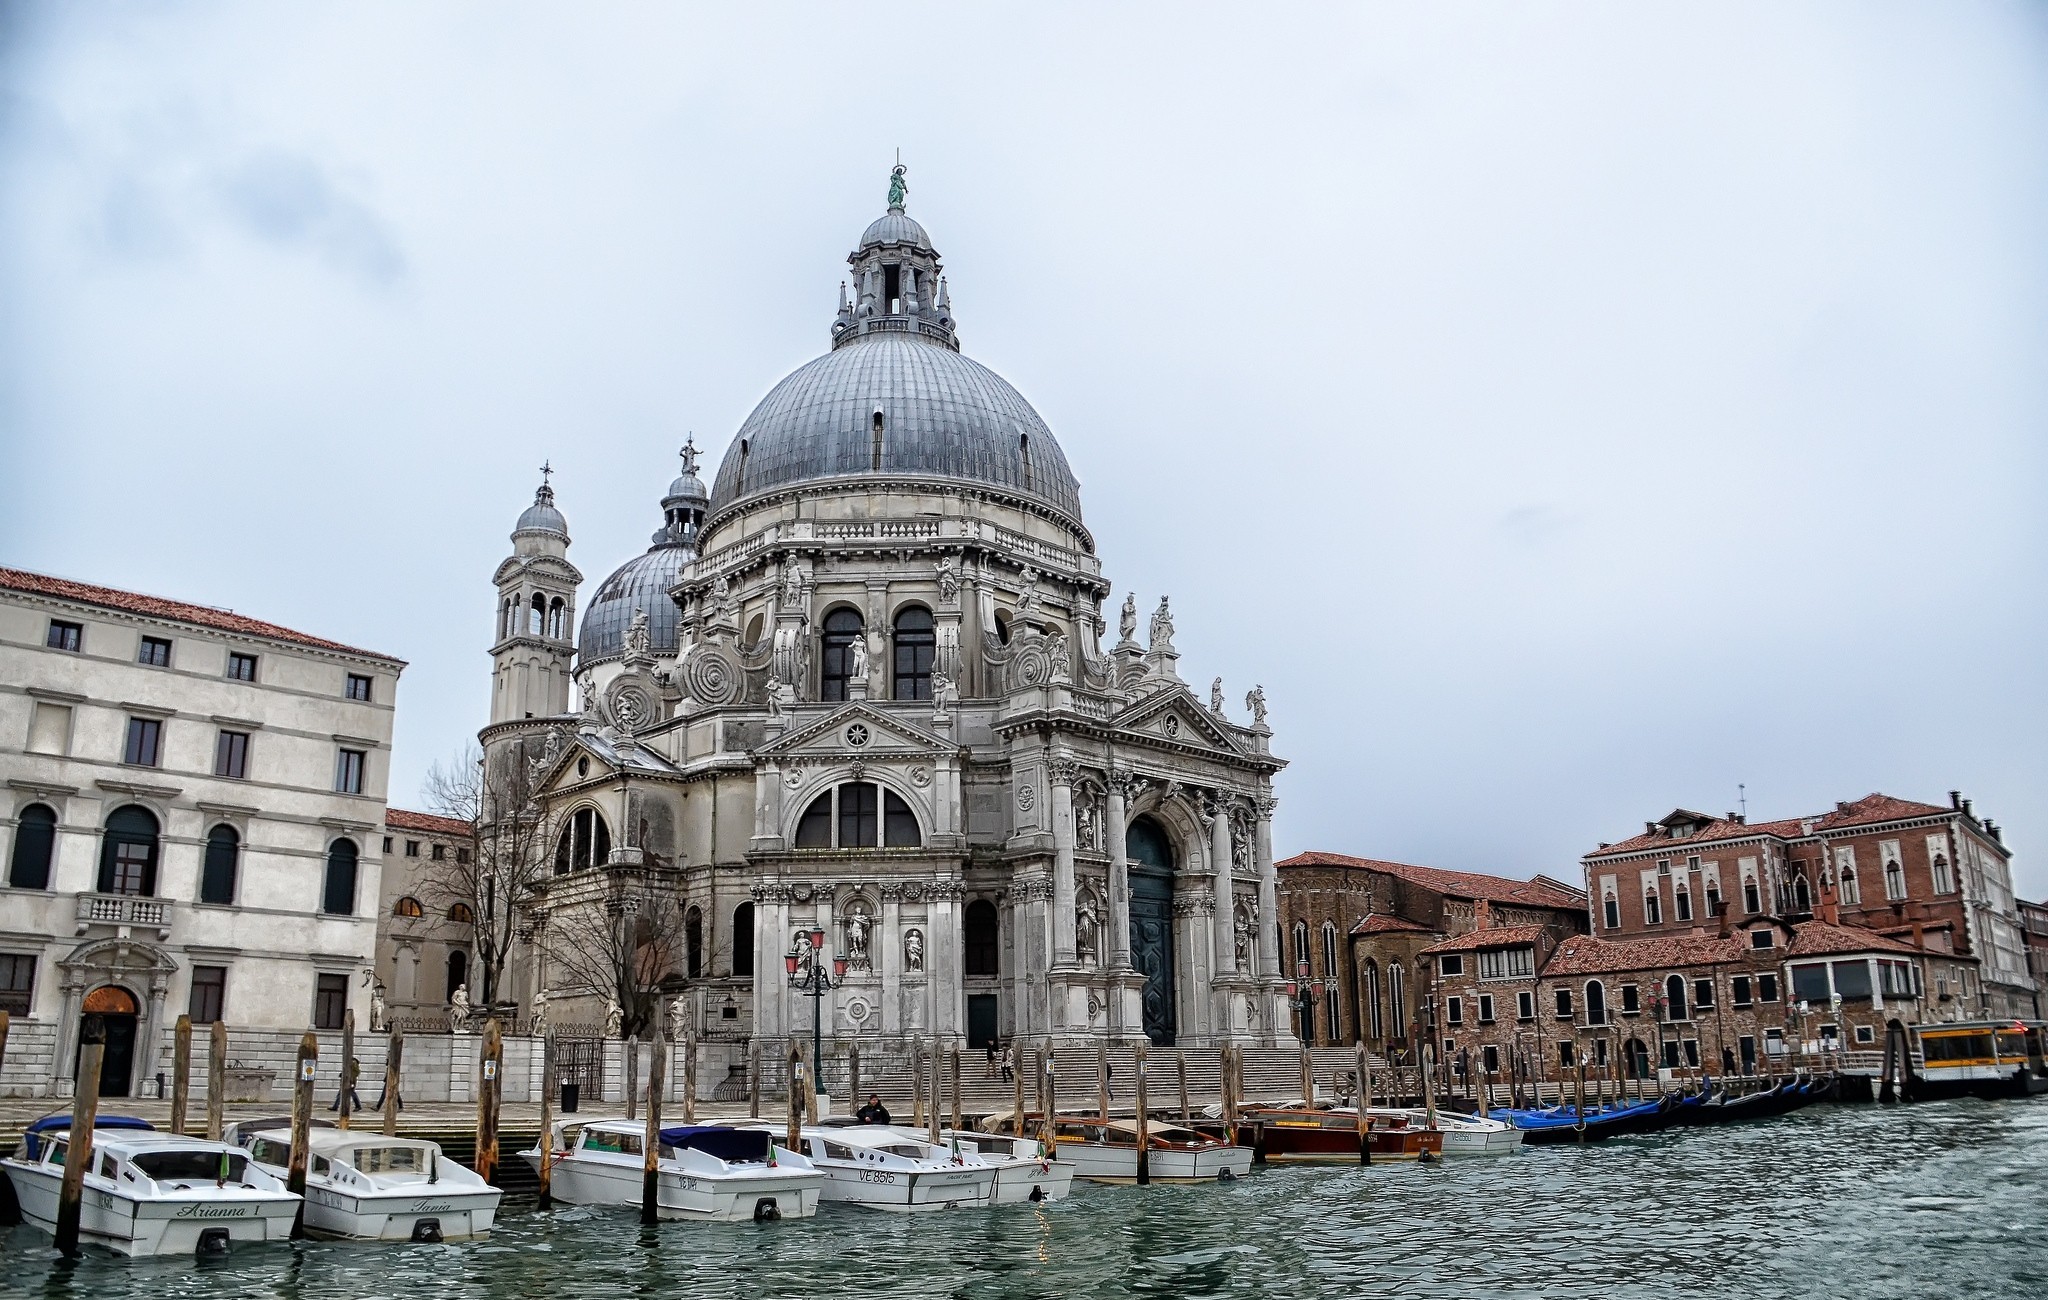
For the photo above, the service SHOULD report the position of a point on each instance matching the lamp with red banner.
(807, 974)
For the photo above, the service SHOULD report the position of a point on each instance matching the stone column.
(944, 959)
(1221, 930)
(1063, 772)
(1120, 785)
(771, 982)
(65, 1067)
(1268, 937)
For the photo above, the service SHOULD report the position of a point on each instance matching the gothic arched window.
(223, 856)
(916, 642)
(1371, 1009)
(585, 842)
(1802, 894)
(981, 939)
(1397, 994)
(1894, 879)
(338, 891)
(743, 941)
(35, 844)
(462, 914)
(1610, 908)
(1851, 893)
(1301, 966)
(842, 629)
(128, 853)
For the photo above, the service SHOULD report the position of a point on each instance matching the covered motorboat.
(1106, 1151)
(708, 1172)
(364, 1186)
(149, 1193)
(886, 1168)
(1295, 1134)
(1024, 1170)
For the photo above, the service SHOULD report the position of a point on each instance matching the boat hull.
(708, 1198)
(170, 1225)
(907, 1191)
(399, 1214)
(1022, 1179)
(1109, 1163)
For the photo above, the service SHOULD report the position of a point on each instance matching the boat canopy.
(720, 1142)
(58, 1123)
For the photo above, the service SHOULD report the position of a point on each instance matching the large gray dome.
(944, 416)
(640, 583)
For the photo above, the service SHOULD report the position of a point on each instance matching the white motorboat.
(149, 1193)
(705, 1171)
(1107, 1152)
(1024, 1172)
(364, 1186)
(888, 1169)
(1465, 1135)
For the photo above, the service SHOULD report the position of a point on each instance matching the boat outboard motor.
(427, 1230)
(1038, 1191)
(214, 1243)
(1225, 1176)
(766, 1211)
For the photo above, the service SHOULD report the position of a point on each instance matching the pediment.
(1175, 717)
(559, 772)
(857, 729)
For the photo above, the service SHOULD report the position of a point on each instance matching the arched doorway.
(118, 1011)
(1151, 867)
(1638, 1054)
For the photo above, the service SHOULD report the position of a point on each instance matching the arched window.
(1397, 1001)
(556, 615)
(585, 842)
(458, 972)
(1147, 844)
(1850, 892)
(1894, 879)
(814, 829)
(128, 853)
(409, 908)
(462, 914)
(1329, 951)
(693, 943)
(743, 941)
(842, 629)
(1611, 910)
(1802, 895)
(1674, 997)
(899, 824)
(916, 642)
(35, 844)
(1596, 1003)
(1682, 901)
(1301, 966)
(223, 857)
(338, 896)
(536, 618)
(981, 938)
(1372, 1001)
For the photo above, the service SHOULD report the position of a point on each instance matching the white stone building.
(190, 823)
(859, 687)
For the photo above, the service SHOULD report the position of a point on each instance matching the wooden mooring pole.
(916, 1085)
(1017, 1086)
(690, 1075)
(650, 1141)
(181, 1071)
(956, 1088)
(489, 1087)
(1102, 1080)
(347, 1098)
(629, 1066)
(4, 1019)
(1227, 1085)
(1364, 1100)
(1144, 1132)
(216, 1078)
(933, 1136)
(302, 1125)
(1180, 1065)
(546, 1195)
(394, 1058)
(85, 1105)
(792, 1138)
(1308, 1078)
(753, 1080)
(1052, 1104)
(853, 1097)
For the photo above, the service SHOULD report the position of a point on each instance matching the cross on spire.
(546, 470)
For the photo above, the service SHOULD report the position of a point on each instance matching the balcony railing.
(123, 909)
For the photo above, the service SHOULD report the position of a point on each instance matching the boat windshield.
(389, 1160)
(597, 1139)
(1955, 1046)
(192, 1166)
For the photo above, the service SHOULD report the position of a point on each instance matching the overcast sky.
(1566, 412)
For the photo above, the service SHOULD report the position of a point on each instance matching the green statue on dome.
(897, 189)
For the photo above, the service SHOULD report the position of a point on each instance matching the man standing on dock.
(874, 1112)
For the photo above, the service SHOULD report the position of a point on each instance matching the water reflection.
(1931, 1201)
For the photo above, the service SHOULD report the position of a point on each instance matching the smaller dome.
(640, 583)
(687, 487)
(892, 227)
(541, 516)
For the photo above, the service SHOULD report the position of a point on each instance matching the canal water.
(1934, 1201)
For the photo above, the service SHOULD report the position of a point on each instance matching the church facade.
(853, 707)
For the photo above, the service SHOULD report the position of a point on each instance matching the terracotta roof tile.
(398, 819)
(1877, 808)
(1488, 936)
(1585, 955)
(1818, 938)
(1539, 892)
(1719, 829)
(129, 602)
(1385, 922)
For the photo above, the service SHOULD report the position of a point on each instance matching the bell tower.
(534, 650)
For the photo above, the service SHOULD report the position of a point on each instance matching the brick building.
(1358, 928)
(1937, 878)
(428, 931)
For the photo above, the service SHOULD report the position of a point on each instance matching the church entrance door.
(118, 1012)
(1152, 950)
(982, 1009)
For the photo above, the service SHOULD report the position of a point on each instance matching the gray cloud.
(288, 199)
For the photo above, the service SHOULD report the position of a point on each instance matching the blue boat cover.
(56, 1123)
(719, 1141)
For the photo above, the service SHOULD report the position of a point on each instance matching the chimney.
(1991, 828)
(1966, 809)
(1955, 800)
(1827, 910)
(1919, 935)
(1727, 922)
(1841, 806)
(1649, 828)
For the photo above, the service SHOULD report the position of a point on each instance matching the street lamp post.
(1302, 993)
(807, 975)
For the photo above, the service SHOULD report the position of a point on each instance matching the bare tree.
(623, 941)
(511, 859)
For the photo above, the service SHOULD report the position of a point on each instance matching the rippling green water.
(1935, 1201)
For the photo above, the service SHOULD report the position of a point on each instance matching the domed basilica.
(853, 705)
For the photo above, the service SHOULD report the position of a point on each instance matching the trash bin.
(571, 1094)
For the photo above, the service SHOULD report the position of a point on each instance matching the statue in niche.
(913, 950)
(949, 582)
(678, 1019)
(1162, 626)
(1060, 669)
(1087, 930)
(1243, 931)
(857, 938)
(857, 658)
(1088, 826)
(774, 696)
(458, 1009)
(792, 586)
(637, 638)
(614, 1019)
(1127, 621)
(1027, 595)
(1216, 696)
(943, 690)
(1255, 701)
